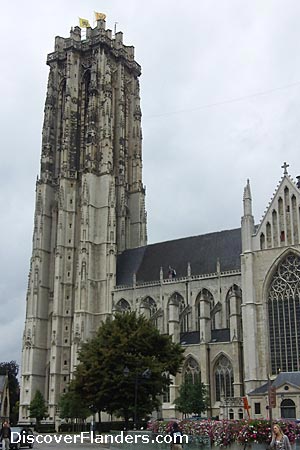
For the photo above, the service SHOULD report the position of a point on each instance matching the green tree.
(126, 366)
(193, 398)
(12, 369)
(72, 406)
(37, 408)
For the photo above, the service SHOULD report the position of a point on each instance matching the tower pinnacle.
(247, 199)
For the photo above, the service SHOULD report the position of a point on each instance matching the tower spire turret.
(247, 199)
(247, 219)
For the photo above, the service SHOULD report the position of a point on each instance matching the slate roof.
(287, 377)
(220, 335)
(191, 337)
(292, 378)
(261, 390)
(202, 252)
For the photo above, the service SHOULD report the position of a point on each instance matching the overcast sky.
(220, 91)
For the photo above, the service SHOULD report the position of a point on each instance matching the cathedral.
(231, 298)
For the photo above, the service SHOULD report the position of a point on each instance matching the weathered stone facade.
(216, 293)
(89, 203)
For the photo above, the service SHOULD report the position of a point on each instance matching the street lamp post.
(135, 400)
(146, 374)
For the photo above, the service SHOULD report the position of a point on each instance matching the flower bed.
(225, 432)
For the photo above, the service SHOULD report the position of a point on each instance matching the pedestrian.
(279, 440)
(5, 435)
(176, 434)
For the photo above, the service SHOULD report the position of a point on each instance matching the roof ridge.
(194, 236)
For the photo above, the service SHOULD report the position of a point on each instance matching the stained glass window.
(284, 316)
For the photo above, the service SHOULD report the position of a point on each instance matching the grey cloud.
(192, 54)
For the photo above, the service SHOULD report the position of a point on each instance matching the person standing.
(5, 435)
(176, 437)
(279, 440)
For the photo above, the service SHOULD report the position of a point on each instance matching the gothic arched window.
(149, 308)
(184, 314)
(150, 304)
(223, 378)
(288, 409)
(123, 305)
(205, 296)
(284, 315)
(234, 294)
(191, 371)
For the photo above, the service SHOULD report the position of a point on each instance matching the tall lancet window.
(84, 113)
(284, 315)
(60, 125)
(223, 378)
(191, 371)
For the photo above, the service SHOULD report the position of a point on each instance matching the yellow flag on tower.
(99, 16)
(84, 23)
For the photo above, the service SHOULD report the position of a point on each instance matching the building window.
(284, 316)
(231, 414)
(257, 408)
(191, 371)
(184, 311)
(241, 414)
(184, 314)
(223, 379)
(149, 308)
(234, 295)
(288, 409)
(123, 306)
(206, 297)
(166, 395)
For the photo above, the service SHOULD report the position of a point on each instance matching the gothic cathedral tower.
(90, 203)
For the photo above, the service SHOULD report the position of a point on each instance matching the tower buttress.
(249, 305)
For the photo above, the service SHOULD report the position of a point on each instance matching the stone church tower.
(90, 203)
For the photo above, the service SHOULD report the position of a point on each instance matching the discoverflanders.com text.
(83, 437)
